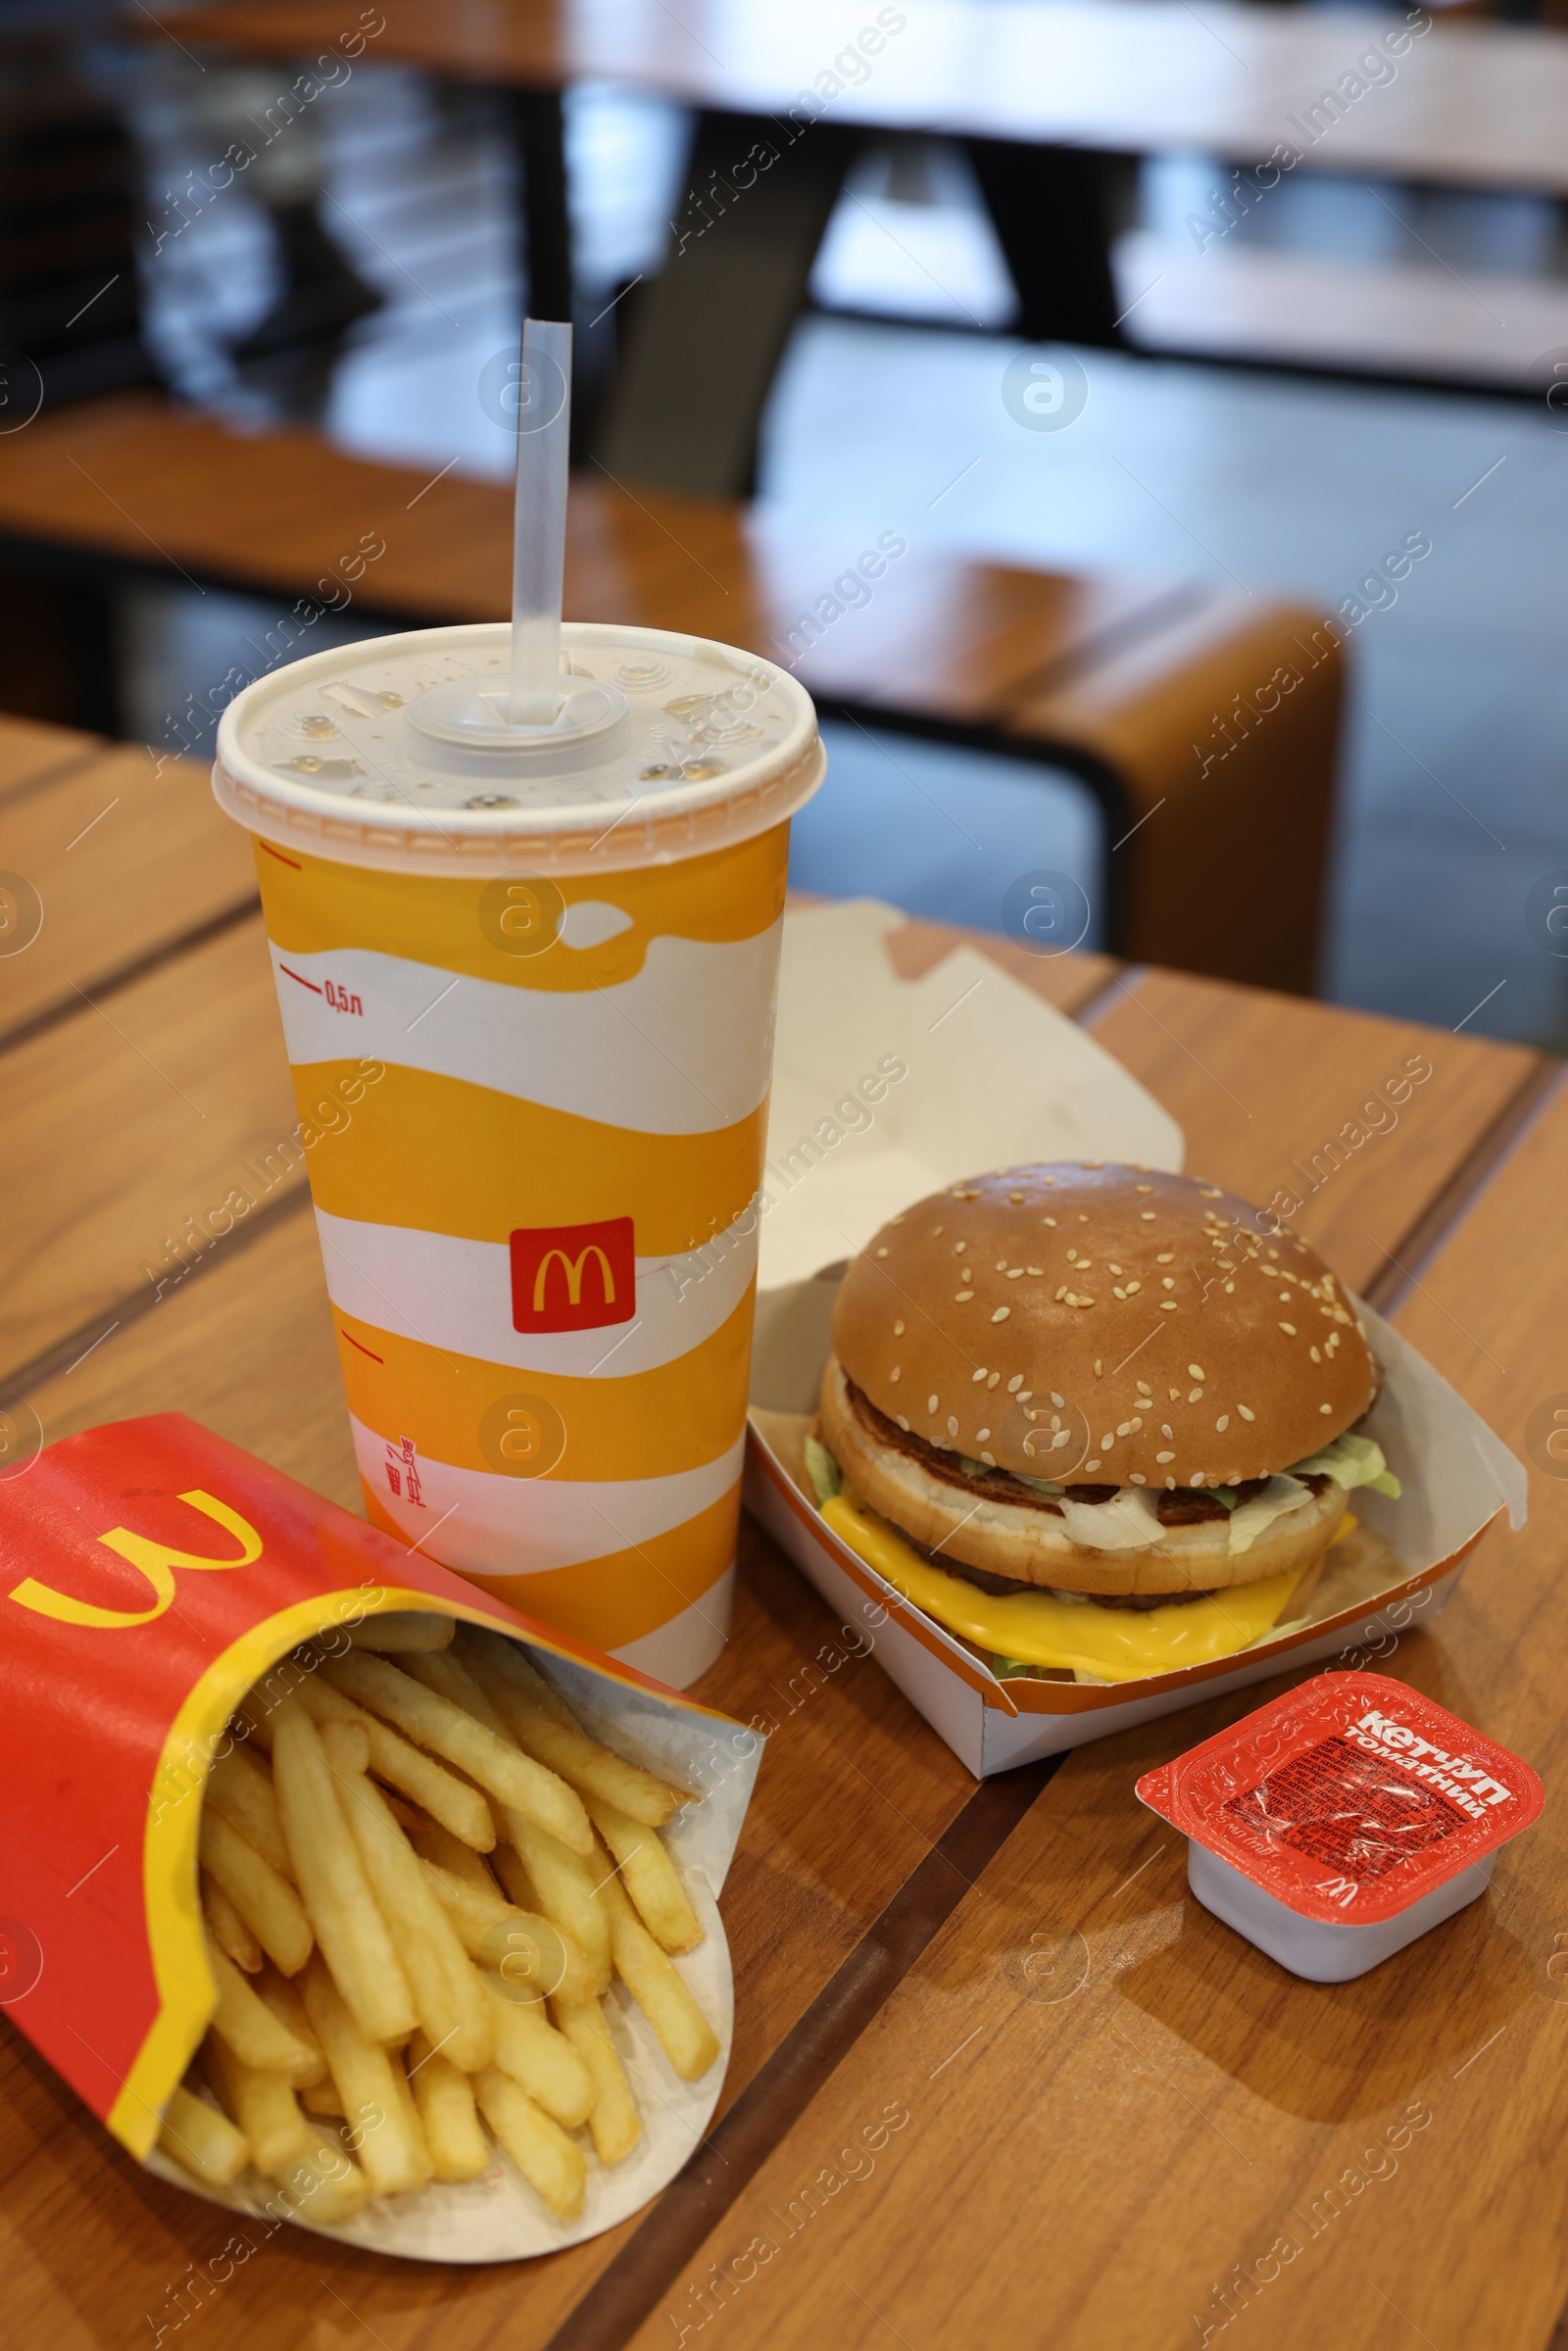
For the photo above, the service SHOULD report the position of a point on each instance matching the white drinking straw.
(539, 526)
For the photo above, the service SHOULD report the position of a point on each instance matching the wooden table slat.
(33, 753)
(127, 861)
(143, 1129)
(1272, 1092)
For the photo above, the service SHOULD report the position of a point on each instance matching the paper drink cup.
(528, 998)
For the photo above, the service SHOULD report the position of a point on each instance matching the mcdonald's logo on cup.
(573, 1277)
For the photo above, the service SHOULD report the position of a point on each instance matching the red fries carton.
(151, 1573)
(1338, 1824)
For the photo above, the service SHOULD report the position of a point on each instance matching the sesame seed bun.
(1104, 1323)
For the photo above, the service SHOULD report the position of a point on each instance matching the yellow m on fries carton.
(153, 1578)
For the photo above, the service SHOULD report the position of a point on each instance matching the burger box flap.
(123, 1660)
(885, 1089)
(1396, 1570)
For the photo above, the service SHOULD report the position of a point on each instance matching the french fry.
(264, 1698)
(404, 2093)
(450, 2005)
(282, 1996)
(394, 2160)
(614, 2119)
(252, 1724)
(551, 2163)
(450, 1678)
(262, 2106)
(537, 1870)
(350, 1930)
(241, 1790)
(528, 2047)
(453, 1803)
(454, 1855)
(325, 2186)
(474, 1915)
(345, 1747)
(648, 1877)
(444, 2096)
(539, 1720)
(229, 1930)
(435, 1723)
(265, 1900)
(443, 1708)
(683, 2032)
(559, 1882)
(202, 2141)
(249, 2026)
(482, 1652)
(536, 1957)
(402, 1628)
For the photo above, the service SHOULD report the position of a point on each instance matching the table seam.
(132, 1308)
(124, 975)
(1428, 1233)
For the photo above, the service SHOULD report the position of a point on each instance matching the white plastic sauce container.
(1336, 1825)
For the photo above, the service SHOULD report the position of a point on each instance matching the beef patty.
(1183, 1506)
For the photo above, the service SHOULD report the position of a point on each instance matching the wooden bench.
(877, 1893)
(1217, 828)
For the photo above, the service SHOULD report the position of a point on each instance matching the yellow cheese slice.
(1118, 1645)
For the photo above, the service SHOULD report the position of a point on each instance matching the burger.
(1099, 1420)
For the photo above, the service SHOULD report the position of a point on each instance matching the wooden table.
(1084, 2173)
(1051, 98)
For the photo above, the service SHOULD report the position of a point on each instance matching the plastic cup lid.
(1348, 1799)
(400, 753)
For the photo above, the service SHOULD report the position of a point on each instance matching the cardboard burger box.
(152, 1575)
(886, 1089)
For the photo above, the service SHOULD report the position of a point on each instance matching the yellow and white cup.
(545, 979)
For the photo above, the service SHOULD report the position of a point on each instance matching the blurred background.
(1153, 335)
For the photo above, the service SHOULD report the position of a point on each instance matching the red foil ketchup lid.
(1348, 1799)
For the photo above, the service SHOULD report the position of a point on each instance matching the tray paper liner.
(150, 1573)
(886, 1088)
(1456, 1474)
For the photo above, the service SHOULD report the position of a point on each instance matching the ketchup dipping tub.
(1335, 1826)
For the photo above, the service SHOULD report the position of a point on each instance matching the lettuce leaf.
(827, 1479)
(1248, 1519)
(1351, 1461)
